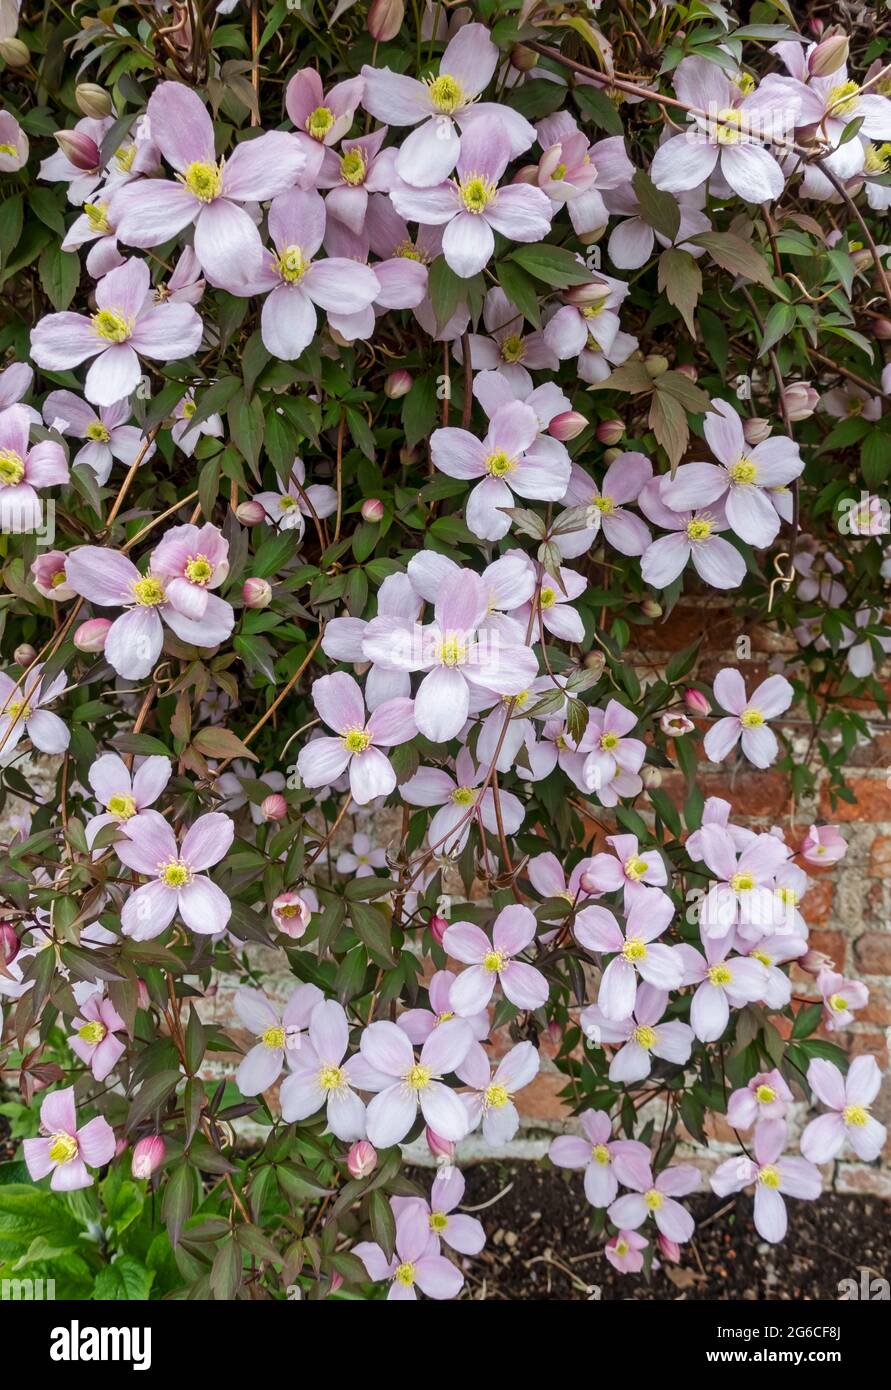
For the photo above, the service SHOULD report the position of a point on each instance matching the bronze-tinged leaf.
(221, 743)
(736, 255)
(668, 421)
(680, 279)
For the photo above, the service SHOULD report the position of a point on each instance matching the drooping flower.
(68, 1150)
(420, 1023)
(489, 1102)
(123, 793)
(95, 1039)
(184, 433)
(321, 1079)
(14, 145)
(108, 436)
(178, 883)
(841, 998)
(774, 1177)
(339, 702)
(23, 469)
(404, 1084)
(127, 324)
(417, 1261)
(607, 1162)
(747, 718)
(494, 961)
(657, 1199)
(23, 712)
(636, 954)
(848, 1100)
(134, 640)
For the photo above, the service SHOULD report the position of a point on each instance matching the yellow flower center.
(122, 806)
(787, 896)
(653, 1199)
(513, 349)
(744, 471)
(547, 598)
(719, 975)
(838, 1003)
(17, 709)
(751, 718)
(96, 215)
(148, 592)
(204, 181)
(188, 409)
(769, 1176)
(444, 1017)
(476, 193)
(199, 569)
(609, 741)
(463, 796)
(408, 251)
(635, 868)
(352, 167)
(319, 122)
(855, 1115)
(176, 874)
(600, 1154)
(498, 465)
(57, 579)
(12, 468)
(593, 311)
(876, 160)
(356, 741)
(842, 100)
(111, 327)
(287, 504)
(451, 650)
(273, 1037)
(63, 1148)
(742, 883)
(745, 82)
(699, 529)
(605, 505)
(405, 1274)
(731, 132)
(634, 950)
(291, 265)
(764, 958)
(8, 149)
(124, 157)
(92, 1032)
(446, 94)
(438, 1221)
(418, 1078)
(493, 961)
(332, 1078)
(765, 1094)
(621, 1247)
(644, 1036)
(559, 173)
(98, 432)
(496, 1096)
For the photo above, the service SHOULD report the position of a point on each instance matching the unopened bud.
(882, 328)
(656, 364)
(397, 384)
(553, 1033)
(24, 654)
(676, 725)
(14, 53)
(688, 370)
(250, 513)
(862, 259)
(93, 100)
(696, 702)
(610, 431)
(9, 943)
(372, 509)
(800, 400)
(594, 661)
(756, 429)
(256, 593)
(650, 776)
(274, 807)
(522, 58)
(669, 1249)
(79, 149)
(148, 1155)
(439, 1147)
(829, 55)
(584, 296)
(651, 609)
(385, 19)
(362, 1159)
(143, 998)
(568, 425)
(814, 961)
(90, 636)
(438, 926)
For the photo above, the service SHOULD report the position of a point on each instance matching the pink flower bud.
(567, 425)
(695, 701)
(438, 926)
(372, 510)
(79, 150)
(148, 1155)
(584, 296)
(756, 430)
(814, 962)
(385, 19)
(439, 1147)
(650, 608)
(397, 384)
(93, 100)
(90, 636)
(801, 400)
(291, 914)
(9, 943)
(553, 1033)
(48, 576)
(882, 328)
(250, 513)
(610, 431)
(688, 370)
(675, 725)
(256, 593)
(362, 1159)
(829, 55)
(274, 807)
(669, 1249)
(24, 654)
(336, 1281)
(143, 998)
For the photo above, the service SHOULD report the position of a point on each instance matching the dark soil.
(541, 1245)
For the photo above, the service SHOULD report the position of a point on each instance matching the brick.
(872, 802)
(872, 952)
(878, 1010)
(817, 905)
(861, 1181)
(880, 857)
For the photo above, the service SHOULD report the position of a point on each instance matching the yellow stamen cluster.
(99, 433)
(729, 126)
(438, 1221)
(769, 1176)
(273, 1037)
(63, 1148)
(634, 950)
(644, 1037)
(493, 961)
(838, 1003)
(742, 883)
(600, 1154)
(332, 1078)
(653, 1199)
(291, 265)
(744, 471)
(605, 505)
(513, 349)
(635, 868)
(499, 465)
(418, 1079)
(405, 1274)
(12, 467)
(204, 181)
(352, 167)
(125, 156)
(608, 742)
(446, 95)
(764, 1094)
(719, 975)
(547, 598)
(122, 806)
(112, 327)
(451, 651)
(464, 796)
(699, 529)
(496, 1097)
(148, 592)
(356, 741)
(842, 100)
(92, 1032)
(97, 217)
(751, 719)
(199, 569)
(476, 193)
(319, 122)
(856, 1115)
(176, 874)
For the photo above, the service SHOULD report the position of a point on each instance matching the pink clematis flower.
(295, 501)
(178, 883)
(643, 1034)
(321, 119)
(96, 225)
(495, 961)
(611, 760)
(624, 1251)
(732, 137)
(608, 513)
(747, 718)
(723, 981)
(362, 858)
(339, 702)
(597, 929)
(206, 192)
(134, 640)
(185, 435)
(489, 1102)
(295, 283)
(24, 469)
(23, 712)
(94, 1039)
(848, 1100)
(744, 479)
(280, 1033)
(456, 651)
(417, 1260)
(639, 870)
(359, 169)
(607, 1162)
(430, 153)
(743, 899)
(587, 879)
(123, 793)
(404, 1084)
(68, 1151)
(461, 803)
(841, 998)
(473, 207)
(463, 1234)
(694, 537)
(420, 1023)
(823, 844)
(765, 1097)
(320, 1079)
(48, 576)
(14, 146)
(575, 174)
(107, 435)
(127, 324)
(632, 240)
(190, 561)
(657, 1199)
(504, 344)
(774, 1177)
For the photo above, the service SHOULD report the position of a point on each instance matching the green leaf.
(552, 264)
(658, 209)
(680, 280)
(59, 275)
(419, 410)
(383, 1223)
(780, 321)
(736, 255)
(373, 930)
(807, 1020)
(247, 424)
(446, 290)
(520, 290)
(124, 1280)
(152, 1094)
